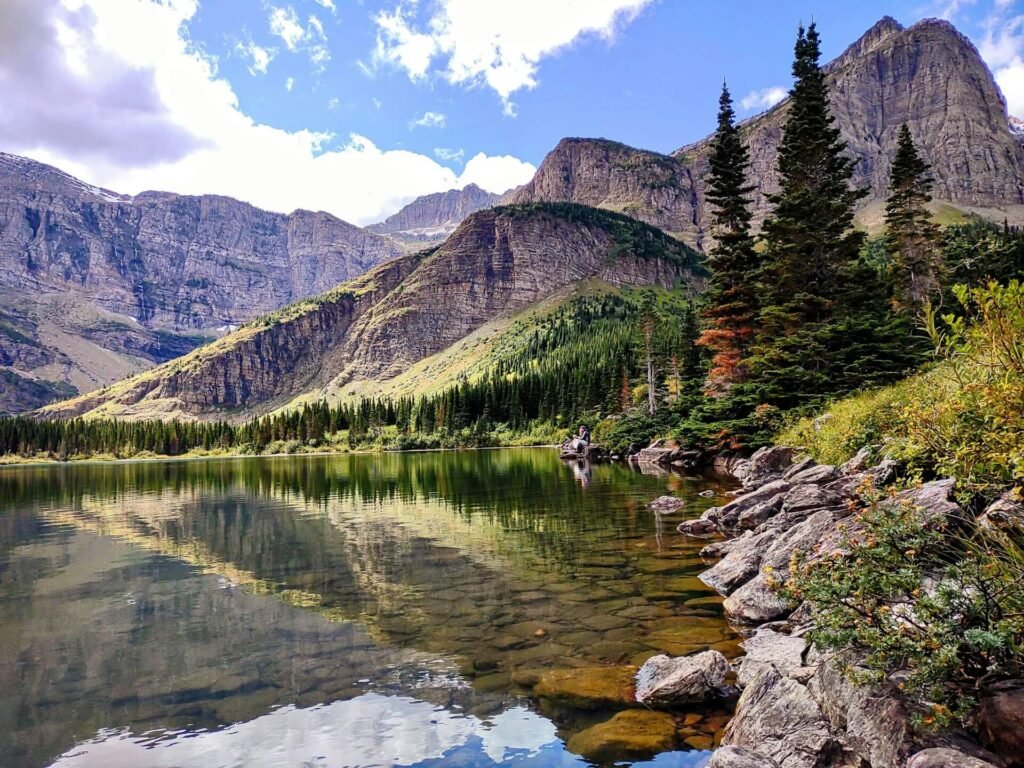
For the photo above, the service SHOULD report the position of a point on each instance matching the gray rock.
(780, 719)
(756, 602)
(728, 516)
(875, 724)
(698, 528)
(816, 475)
(805, 463)
(667, 504)
(663, 680)
(1004, 514)
(802, 497)
(945, 757)
(767, 647)
(755, 516)
(858, 462)
(934, 499)
(768, 464)
(429, 219)
(740, 564)
(884, 473)
(739, 757)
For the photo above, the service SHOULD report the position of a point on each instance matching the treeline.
(587, 359)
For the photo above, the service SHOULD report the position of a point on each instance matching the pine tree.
(805, 286)
(732, 305)
(911, 237)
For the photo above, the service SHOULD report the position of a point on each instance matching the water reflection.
(334, 611)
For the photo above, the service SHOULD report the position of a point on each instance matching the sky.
(358, 106)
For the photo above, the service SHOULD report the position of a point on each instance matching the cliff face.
(928, 76)
(498, 261)
(97, 285)
(429, 219)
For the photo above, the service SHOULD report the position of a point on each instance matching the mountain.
(95, 285)
(429, 219)
(498, 262)
(929, 76)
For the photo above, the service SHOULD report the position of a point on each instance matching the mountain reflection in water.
(330, 611)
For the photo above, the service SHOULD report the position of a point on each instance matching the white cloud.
(764, 98)
(449, 155)
(284, 23)
(429, 120)
(289, 84)
(333, 102)
(184, 131)
(1002, 47)
(499, 45)
(257, 56)
(328, 4)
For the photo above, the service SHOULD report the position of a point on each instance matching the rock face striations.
(498, 261)
(96, 285)
(429, 219)
(928, 76)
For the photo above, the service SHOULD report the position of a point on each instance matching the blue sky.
(357, 106)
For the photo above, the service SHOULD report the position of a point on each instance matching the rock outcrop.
(666, 681)
(928, 76)
(429, 219)
(499, 261)
(799, 708)
(95, 285)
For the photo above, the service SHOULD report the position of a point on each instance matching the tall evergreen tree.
(911, 238)
(732, 304)
(806, 289)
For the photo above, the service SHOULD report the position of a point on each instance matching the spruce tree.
(911, 237)
(806, 290)
(732, 306)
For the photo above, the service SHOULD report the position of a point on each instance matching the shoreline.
(45, 462)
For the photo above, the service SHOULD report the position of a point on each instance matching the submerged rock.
(666, 681)
(667, 504)
(633, 733)
(589, 687)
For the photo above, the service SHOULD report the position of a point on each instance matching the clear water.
(333, 611)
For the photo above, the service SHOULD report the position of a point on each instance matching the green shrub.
(913, 601)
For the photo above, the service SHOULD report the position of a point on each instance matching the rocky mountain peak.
(429, 219)
(928, 75)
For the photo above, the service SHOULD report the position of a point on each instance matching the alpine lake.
(340, 611)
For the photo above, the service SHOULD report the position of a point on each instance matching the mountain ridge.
(429, 219)
(97, 285)
(928, 75)
(499, 260)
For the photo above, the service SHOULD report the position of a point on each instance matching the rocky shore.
(797, 709)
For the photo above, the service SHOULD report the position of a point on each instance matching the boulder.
(698, 528)
(802, 537)
(719, 548)
(739, 757)
(589, 687)
(740, 564)
(755, 516)
(884, 473)
(666, 504)
(636, 733)
(729, 515)
(1001, 721)
(875, 722)
(945, 757)
(816, 475)
(858, 462)
(769, 648)
(1005, 514)
(934, 499)
(799, 466)
(756, 602)
(663, 680)
(659, 452)
(805, 496)
(780, 719)
(767, 464)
